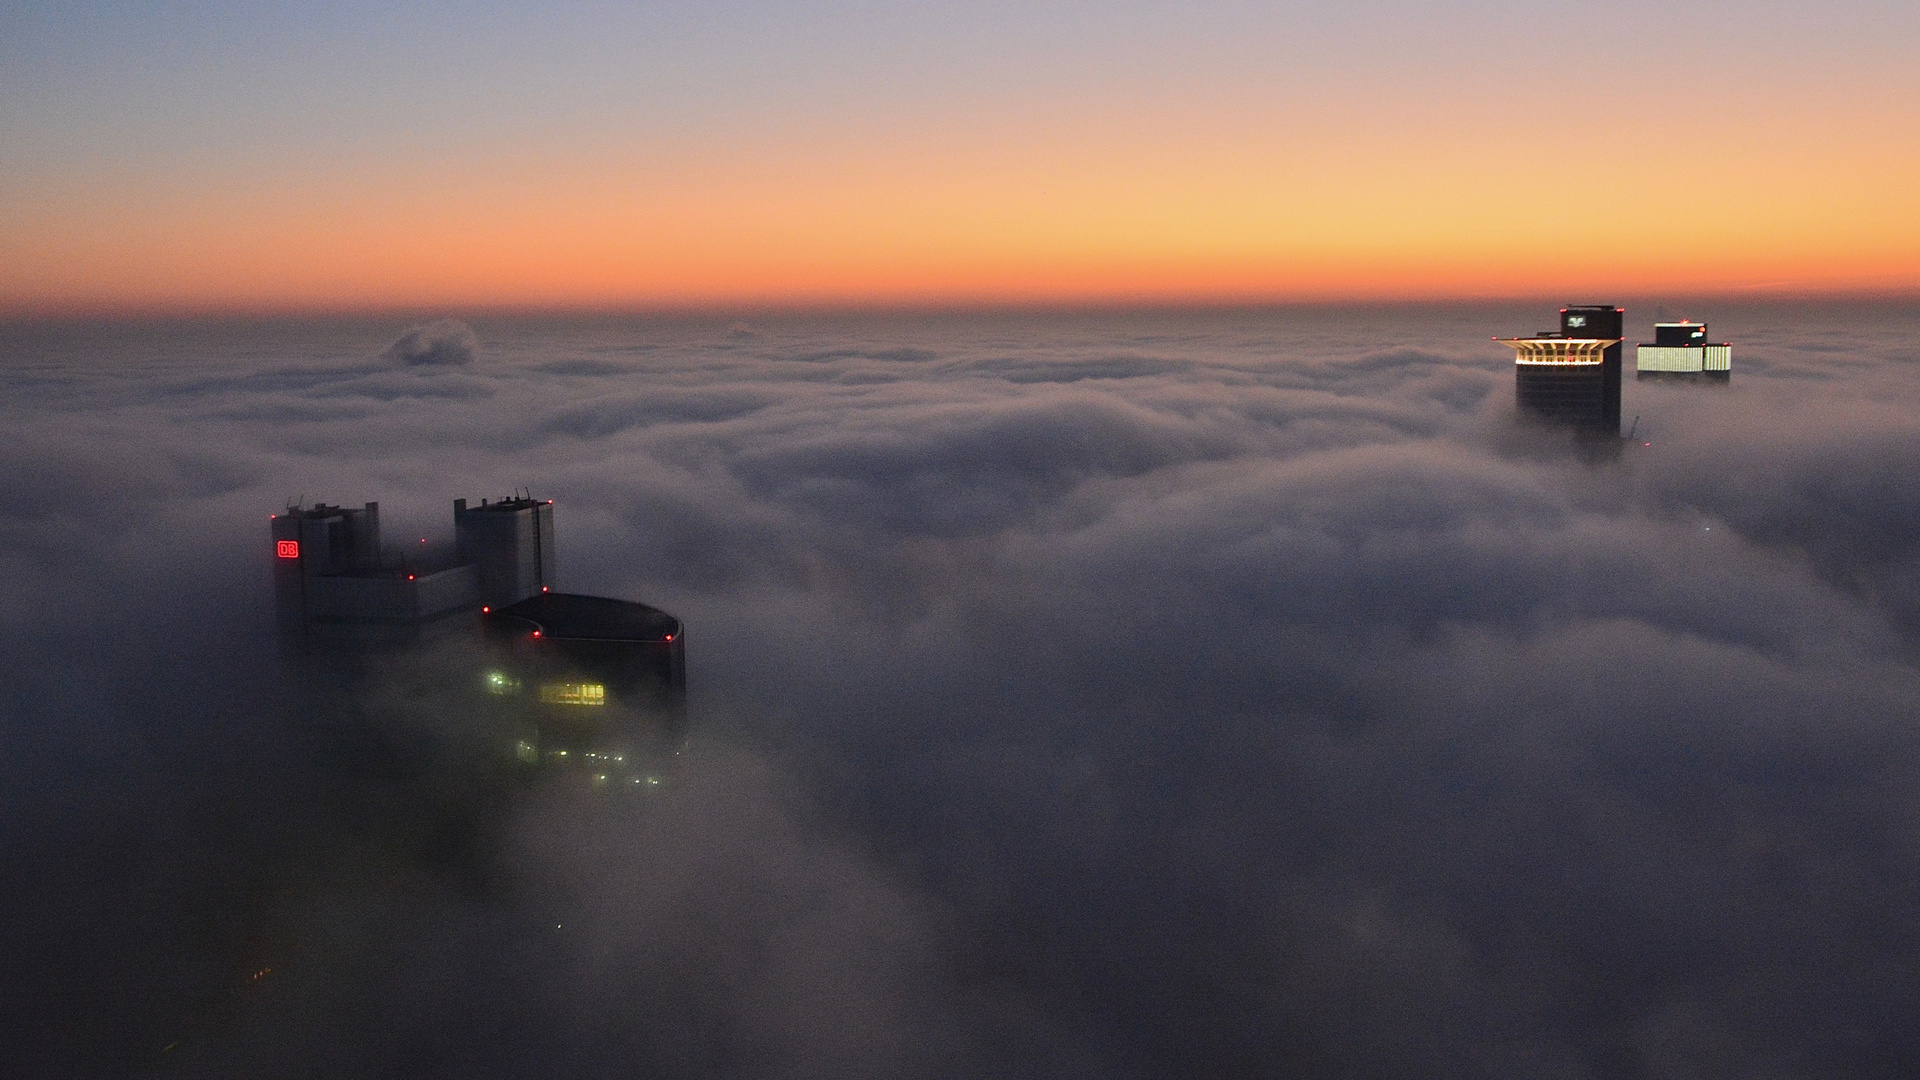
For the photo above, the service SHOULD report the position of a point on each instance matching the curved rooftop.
(564, 616)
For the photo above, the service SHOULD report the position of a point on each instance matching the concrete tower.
(320, 541)
(510, 545)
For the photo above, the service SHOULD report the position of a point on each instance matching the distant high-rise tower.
(1680, 350)
(1572, 375)
(510, 544)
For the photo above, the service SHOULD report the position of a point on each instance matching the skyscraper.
(588, 683)
(1572, 375)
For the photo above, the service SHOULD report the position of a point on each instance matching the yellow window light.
(573, 694)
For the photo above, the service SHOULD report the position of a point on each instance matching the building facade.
(1681, 350)
(332, 577)
(509, 544)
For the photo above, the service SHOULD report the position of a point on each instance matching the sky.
(258, 157)
(1087, 694)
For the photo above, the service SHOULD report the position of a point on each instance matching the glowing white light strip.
(1584, 351)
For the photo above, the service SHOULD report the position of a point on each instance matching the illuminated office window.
(573, 694)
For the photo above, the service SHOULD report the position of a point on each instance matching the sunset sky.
(228, 156)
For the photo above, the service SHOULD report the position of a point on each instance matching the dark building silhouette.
(1681, 351)
(576, 670)
(1572, 375)
(634, 650)
(591, 683)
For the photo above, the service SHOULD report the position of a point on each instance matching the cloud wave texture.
(1130, 695)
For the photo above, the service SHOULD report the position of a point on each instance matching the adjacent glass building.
(1681, 350)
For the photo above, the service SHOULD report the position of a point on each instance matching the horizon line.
(927, 305)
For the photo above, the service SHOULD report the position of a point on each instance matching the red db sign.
(287, 549)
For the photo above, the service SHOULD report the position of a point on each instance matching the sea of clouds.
(1149, 694)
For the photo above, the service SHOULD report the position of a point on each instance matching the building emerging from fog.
(331, 577)
(1572, 375)
(509, 546)
(560, 663)
(1680, 350)
(567, 673)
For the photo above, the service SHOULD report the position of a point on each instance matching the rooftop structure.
(1681, 350)
(330, 574)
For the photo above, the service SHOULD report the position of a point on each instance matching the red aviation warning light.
(287, 549)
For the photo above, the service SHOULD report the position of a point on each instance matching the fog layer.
(1118, 695)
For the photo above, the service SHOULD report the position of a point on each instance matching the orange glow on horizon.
(1324, 214)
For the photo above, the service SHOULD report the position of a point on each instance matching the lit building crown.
(1558, 350)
